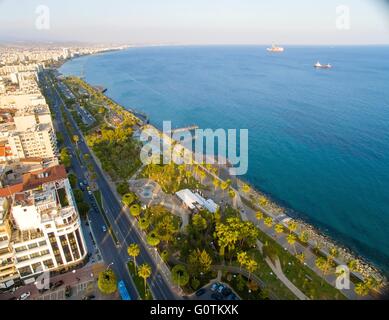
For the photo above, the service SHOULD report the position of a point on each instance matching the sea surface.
(318, 139)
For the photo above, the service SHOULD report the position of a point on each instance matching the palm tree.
(145, 272)
(279, 228)
(231, 194)
(133, 251)
(246, 188)
(292, 225)
(76, 139)
(251, 266)
(361, 289)
(301, 257)
(259, 215)
(304, 237)
(292, 241)
(353, 265)
(216, 183)
(135, 210)
(268, 222)
(242, 258)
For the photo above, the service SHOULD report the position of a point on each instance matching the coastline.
(317, 235)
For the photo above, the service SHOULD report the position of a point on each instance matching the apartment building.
(40, 228)
(30, 134)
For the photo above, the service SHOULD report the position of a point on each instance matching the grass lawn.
(310, 283)
(139, 282)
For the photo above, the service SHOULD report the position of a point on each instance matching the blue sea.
(318, 139)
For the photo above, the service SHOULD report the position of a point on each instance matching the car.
(25, 296)
(90, 192)
(56, 285)
(215, 286)
(104, 228)
(200, 292)
(68, 291)
(226, 292)
(216, 296)
(232, 296)
(42, 291)
(220, 288)
(90, 297)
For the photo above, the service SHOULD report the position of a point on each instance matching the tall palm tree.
(246, 188)
(361, 289)
(133, 251)
(278, 228)
(216, 183)
(269, 222)
(292, 241)
(259, 215)
(251, 266)
(301, 257)
(304, 237)
(292, 225)
(145, 272)
(242, 258)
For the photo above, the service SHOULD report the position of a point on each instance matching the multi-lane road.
(114, 255)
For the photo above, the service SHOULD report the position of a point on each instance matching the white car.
(25, 296)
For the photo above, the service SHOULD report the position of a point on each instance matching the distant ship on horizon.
(275, 48)
(318, 65)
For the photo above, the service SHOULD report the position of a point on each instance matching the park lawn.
(273, 285)
(310, 283)
(139, 282)
(239, 284)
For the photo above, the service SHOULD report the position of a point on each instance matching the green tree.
(292, 241)
(199, 222)
(269, 222)
(353, 265)
(133, 251)
(144, 224)
(152, 239)
(180, 275)
(292, 226)
(259, 215)
(73, 180)
(135, 210)
(65, 158)
(279, 228)
(231, 194)
(76, 139)
(107, 282)
(242, 258)
(123, 188)
(216, 183)
(301, 257)
(246, 188)
(128, 199)
(304, 237)
(251, 266)
(361, 289)
(144, 272)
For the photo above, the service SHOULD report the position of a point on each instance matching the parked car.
(56, 285)
(226, 292)
(200, 292)
(220, 288)
(216, 296)
(25, 296)
(104, 228)
(215, 286)
(90, 297)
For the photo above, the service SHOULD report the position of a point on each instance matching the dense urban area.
(78, 208)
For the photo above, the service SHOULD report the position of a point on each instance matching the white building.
(32, 134)
(196, 202)
(46, 230)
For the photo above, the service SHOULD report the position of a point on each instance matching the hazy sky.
(197, 21)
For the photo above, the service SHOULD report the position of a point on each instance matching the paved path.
(280, 275)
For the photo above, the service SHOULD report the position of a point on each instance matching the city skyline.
(189, 22)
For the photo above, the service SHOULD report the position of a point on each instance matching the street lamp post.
(109, 266)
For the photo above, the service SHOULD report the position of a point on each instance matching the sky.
(197, 21)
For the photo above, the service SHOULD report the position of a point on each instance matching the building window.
(65, 248)
(33, 246)
(48, 264)
(37, 267)
(26, 271)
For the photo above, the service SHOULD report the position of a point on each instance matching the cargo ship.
(275, 48)
(318, 65)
